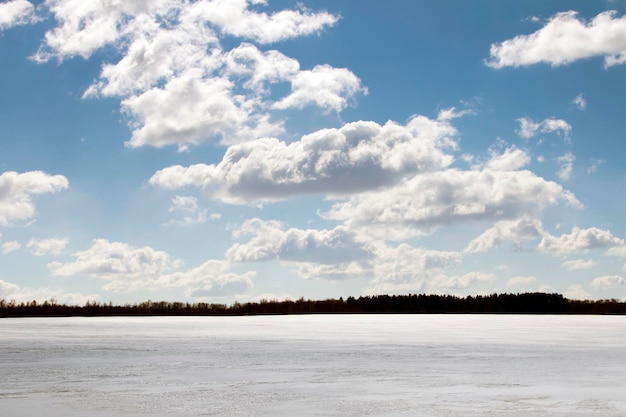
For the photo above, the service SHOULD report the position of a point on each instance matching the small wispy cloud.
(11, 246)
(595, 163)
(578, 264)
(529, 128)
(42, 247)
(580, 102)
(567, 166)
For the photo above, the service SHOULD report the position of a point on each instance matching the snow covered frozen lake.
(314, 365)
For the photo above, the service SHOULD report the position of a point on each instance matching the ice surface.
(314, 365)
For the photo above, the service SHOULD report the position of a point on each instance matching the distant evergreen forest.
(524, 303)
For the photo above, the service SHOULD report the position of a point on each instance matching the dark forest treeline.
(525, 303)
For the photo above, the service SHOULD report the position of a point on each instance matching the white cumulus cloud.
(521, 281)
(337, 254)
(511, 159)
(564, 39)
(529, 128)
(517, 230)
(7, 288)
(325, 86)
(272, 241)
(177, 83)
(356, 157)
(128, 268)
(607, 281)
(212, 279)
(417, 266)
(420, 204)
(393, 267)
(578, 264)
(110, 260)
(42, 247)
(260, 68)
(339, 271)
(579, 240)
(17, 191)
(234, 17)
(16, 12)
(83, 27)
(10, 246)
(617, 251)
(191, 109)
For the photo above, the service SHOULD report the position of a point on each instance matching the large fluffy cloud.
(17, 191)
(565, 38)
(234, 17)
(419, 204)
(149, 59)
(177, 83)
(191, 109)
(84, 28)
(356, 157)
(16, 12)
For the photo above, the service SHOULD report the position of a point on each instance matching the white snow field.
(314, 365)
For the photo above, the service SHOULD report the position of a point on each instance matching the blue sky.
(223, 150)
